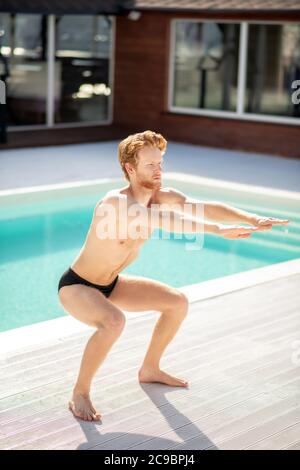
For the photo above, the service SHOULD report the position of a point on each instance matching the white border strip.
(232, 186)
(57, 186)
(242, 280)
(33, 194)
(174, 176)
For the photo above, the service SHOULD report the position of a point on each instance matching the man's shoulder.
(114, 196)
(168, 194)
(109, 205)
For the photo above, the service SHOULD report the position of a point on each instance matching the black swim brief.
(69, 277)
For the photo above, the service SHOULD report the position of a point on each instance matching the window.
(273, 63)
(82, 59)
(23, 54)
(242, 70)
(57, 69)
(205, 66)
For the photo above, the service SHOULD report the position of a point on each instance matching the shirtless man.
(94, 292)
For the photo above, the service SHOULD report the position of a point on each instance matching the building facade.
(216, 73)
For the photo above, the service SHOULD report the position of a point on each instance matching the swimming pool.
(41, 232)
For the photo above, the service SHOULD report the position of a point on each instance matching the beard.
(150, 184)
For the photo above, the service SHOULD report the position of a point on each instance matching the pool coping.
(31, 336)
(230, 186)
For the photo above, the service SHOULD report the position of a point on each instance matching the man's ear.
(129, 168)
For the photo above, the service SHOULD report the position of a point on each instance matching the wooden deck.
(239, 351)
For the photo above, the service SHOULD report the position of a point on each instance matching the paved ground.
(46, 165)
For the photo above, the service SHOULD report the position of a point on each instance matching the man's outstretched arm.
(217, 211)
(115, 217)
(173, 221)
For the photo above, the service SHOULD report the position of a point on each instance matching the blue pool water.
(38, 242)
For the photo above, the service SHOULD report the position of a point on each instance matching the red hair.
(128, 148)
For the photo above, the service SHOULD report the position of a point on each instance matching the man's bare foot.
(81, 406)
(157, 375)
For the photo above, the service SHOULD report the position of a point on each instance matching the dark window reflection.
(83, 50)
(206, 64)
(273, 65)
(23, 45)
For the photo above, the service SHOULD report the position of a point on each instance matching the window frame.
(241, 79)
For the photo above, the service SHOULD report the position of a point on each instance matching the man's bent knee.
(179, 304)
(183, 303)
(114, 323)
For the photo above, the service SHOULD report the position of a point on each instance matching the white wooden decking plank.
(205, 383)
(217, 384)
(131, 423)
(36, 377)
(288, 417)
(208, 361)
(199, 361)
(68, 341)
(281, 290)
(65, 342)
(228, 391)
(235, 418)
(124, 359)
(200, 420)
(187, 329)
(63, 345)
(280, 440)
(293, 446)
(23, 415)
(13, 405)
(150, 317)
(39, 377)
(261, 332)
(140, 327)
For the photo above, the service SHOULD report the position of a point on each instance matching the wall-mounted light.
(134, 15)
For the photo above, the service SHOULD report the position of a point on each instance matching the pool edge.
(175, 176)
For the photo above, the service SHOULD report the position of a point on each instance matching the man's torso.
(100, 260)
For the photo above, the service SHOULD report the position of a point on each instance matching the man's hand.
(235, 231)
(266, 223)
